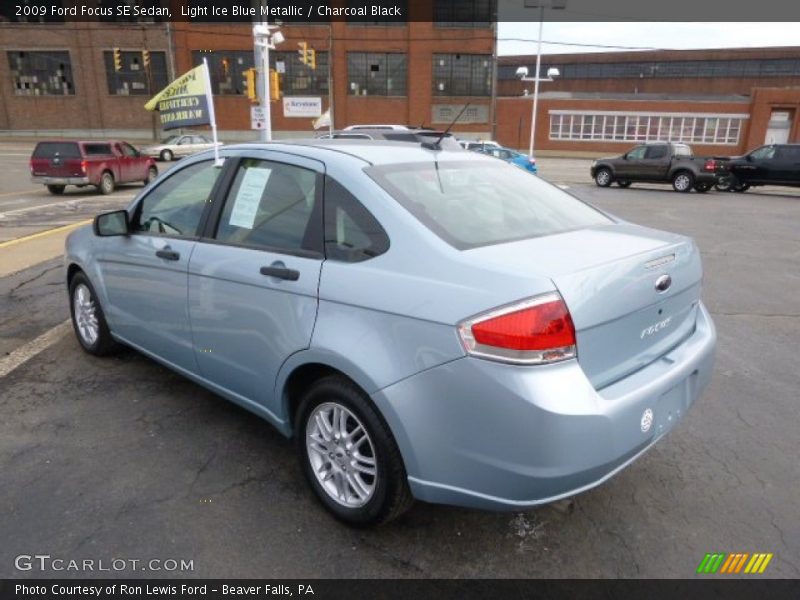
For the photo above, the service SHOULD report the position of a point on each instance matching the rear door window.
(62, 149)
(273, 206)
(352, 234)
(97, 149)
(656, 152)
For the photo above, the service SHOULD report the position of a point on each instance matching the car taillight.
(535, 331)
(711, 165)
(83, 166)
(30, 166)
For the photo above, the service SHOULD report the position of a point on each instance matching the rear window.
(478, 203)
(97, 149)
(683, 151)
(62, 149)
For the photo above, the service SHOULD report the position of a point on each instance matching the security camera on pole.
(266, 37)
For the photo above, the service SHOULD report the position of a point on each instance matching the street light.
(522, 72)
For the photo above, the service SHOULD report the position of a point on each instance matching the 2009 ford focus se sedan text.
(427, 323)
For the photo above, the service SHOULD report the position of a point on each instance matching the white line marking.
(563, 187)
(27, 351)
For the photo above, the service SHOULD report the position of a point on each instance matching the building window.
(400, 21)
(462, 75)
(226, 68)
(701, 128)
(297, 78)
(372, 74)
(41, 73)
(463, 13)
(134, 79)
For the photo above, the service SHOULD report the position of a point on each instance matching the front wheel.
(349, 456)
(741, 187)
(603, 177)
(683, 182)
(88, 319)
(702, 187)
(57, 190)
(167, 155)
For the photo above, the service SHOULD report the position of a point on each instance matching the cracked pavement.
(119, 457)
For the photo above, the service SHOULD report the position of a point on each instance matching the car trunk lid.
(608, 278)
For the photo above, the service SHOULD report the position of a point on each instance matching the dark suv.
(775, 164)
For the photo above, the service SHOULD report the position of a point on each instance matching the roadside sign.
(257, 118)
(302, 107)
(280, 66)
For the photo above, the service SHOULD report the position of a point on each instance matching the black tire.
(152, 173)
(603, 177)
(624, 183)
(702, 188)
(724, 184)
(167, 155)
(107, 184)
(104, 344)
(391, 496)
(683, 181)
(740, 187)
(56, 190)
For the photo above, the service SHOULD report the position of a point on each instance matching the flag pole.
(211, 116)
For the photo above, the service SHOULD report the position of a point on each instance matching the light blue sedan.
(523, 161)
(427, 323)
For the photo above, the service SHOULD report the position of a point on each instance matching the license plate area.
(673, 404)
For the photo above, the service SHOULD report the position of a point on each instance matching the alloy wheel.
(341, 454)
(85, 313)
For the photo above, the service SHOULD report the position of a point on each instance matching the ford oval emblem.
(663, 283)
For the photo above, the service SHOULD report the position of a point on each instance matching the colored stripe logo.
(737, 562)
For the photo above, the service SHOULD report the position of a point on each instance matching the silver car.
(179, 146)
(426, 323)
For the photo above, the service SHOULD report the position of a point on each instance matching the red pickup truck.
(103, 164)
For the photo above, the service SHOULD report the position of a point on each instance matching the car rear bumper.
(489, 435)
(46, 180)
(704, 177)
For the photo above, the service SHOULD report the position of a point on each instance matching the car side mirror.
(111, 223)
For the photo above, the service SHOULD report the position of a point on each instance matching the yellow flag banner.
(184, 102)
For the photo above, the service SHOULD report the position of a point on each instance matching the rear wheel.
(106, 185)
(88, 319)
(702, 187)
(624, 184)
(603, 177)
(349, 456)
(166, 155)
(56, 189)
(152, 173)
(683, 181)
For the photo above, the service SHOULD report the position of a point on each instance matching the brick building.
(59, 78)
(720, 101)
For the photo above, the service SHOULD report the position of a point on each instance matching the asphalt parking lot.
(120, 458)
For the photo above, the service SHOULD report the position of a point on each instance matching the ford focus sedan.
(427, 324)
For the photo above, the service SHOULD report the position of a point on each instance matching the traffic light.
(274, 85)
(250, 84)
(146, 58)
(117, 60)
(308, 56)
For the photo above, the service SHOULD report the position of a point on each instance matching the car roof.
(373, 152)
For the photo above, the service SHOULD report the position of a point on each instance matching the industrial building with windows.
(64, 78)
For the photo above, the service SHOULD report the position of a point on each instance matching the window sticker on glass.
(248, 198)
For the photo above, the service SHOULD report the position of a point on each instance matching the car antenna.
(437, 145)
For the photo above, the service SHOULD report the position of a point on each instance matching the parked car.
(427, 323)
(101, 163)
(178, 146)
(478, 144)
(775, 164)
(413, 135)
(659, 163)
(519, 159)
(377, 126)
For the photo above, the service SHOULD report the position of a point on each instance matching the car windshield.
(478, 203)
(171, 139)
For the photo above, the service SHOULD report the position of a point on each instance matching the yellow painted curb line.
(45, 233)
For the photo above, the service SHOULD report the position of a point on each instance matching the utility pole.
(330, 78)
(264, 40)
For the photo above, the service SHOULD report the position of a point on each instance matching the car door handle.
(281, 273)
(168, 254)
